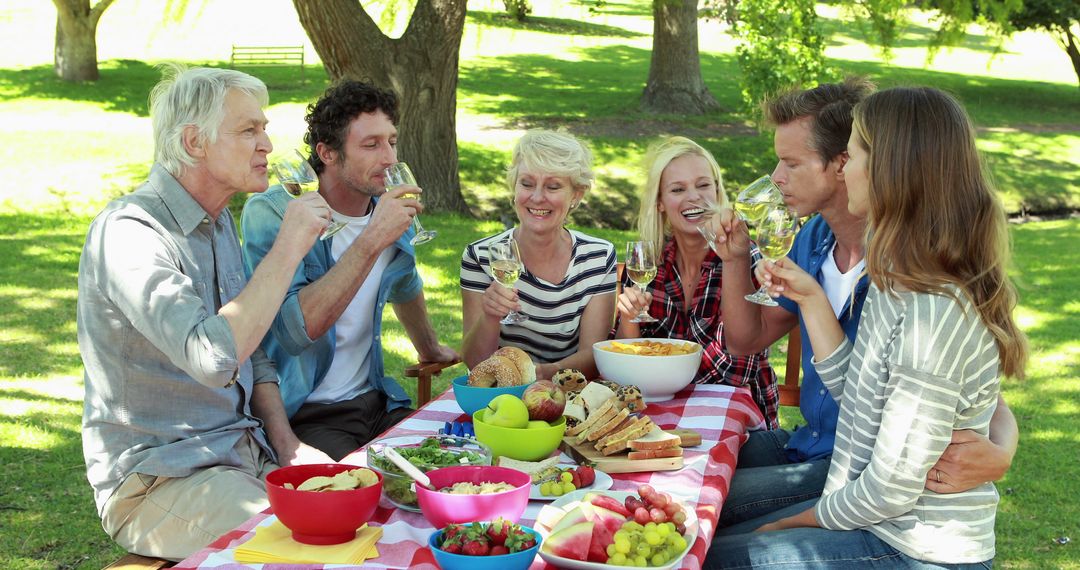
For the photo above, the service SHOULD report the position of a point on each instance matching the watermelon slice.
(572, 542)
(609, 503)
(579, 514)
(601, 538)
(612, 520)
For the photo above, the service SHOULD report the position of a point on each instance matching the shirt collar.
(184, 209)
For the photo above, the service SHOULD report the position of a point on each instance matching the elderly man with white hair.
(178, 392)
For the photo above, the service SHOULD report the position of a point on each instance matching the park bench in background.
(243, 56)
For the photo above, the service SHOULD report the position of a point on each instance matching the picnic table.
(721, 414)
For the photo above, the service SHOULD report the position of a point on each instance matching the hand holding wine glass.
(776, 234)
(297, 177)
(641, 269)
(505, 261)
(399, 174)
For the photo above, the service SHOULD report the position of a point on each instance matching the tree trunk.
(75, 51)
(1069, 43)
(421, 67)
(675, 84)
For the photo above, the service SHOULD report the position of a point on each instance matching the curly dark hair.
(328, 118)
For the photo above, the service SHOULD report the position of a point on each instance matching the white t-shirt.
(839, 286)
(348, 374)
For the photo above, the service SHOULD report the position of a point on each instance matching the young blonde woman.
(936, 335)
(683, 180)
(567, 287)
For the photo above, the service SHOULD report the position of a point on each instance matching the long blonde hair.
(934, 219)
(652, 224)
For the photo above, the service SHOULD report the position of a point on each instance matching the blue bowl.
(473, 398)
(514, 561)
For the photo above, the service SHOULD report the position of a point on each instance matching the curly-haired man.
(326, 337)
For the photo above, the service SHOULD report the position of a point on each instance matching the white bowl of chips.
(323, 503)
(660, 367)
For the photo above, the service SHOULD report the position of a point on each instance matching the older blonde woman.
(567, 287)
(683, 183)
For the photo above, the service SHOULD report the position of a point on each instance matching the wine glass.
(776, 233)
(641, 269)
(506, 266)
(399, 174)
(755, 201)
(296, 176)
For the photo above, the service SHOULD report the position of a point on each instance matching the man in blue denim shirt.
(778, 468)
(326, 338)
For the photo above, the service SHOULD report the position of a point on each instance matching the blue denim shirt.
(818, 407)
(302, 362)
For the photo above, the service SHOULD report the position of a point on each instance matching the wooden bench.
(267, 55)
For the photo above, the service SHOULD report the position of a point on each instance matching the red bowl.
(320, 517)
(441, 509)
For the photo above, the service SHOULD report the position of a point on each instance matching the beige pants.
(173, 518)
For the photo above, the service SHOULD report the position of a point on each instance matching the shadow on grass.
(857, 30)
(612, 8)
(558, 26)
(125, 84)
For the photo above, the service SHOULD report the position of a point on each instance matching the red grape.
(646, 491)
(641, 515)
(658, 515)
(678, 518)
(661, 500)
(672, 508)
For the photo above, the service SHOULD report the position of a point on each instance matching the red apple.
(545, 400)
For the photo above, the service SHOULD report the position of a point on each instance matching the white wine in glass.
(755, 201)
(399, 174)
(297, 177)
(776, 234)
(641, 269)
(505, 261)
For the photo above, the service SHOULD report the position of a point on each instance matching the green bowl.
(523, 444)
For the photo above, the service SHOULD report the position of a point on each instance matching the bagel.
(521, 360)
(495, 371)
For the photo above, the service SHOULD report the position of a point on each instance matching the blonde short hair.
(194, 97)
(652, 224)
(553, 152)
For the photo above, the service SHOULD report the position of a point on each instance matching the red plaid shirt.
(704, 325)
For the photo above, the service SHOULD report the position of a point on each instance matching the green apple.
(537, 424)
(507, 410)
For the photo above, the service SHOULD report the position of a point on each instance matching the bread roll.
(495, 371)
(521, 360)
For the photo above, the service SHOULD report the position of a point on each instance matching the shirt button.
(206, 221)
(822, 392)
(814, 434)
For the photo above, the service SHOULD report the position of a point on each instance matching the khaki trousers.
(175, 517)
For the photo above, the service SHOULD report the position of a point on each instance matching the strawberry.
(587, 474)
(519, 540)
(497, 531)
(452, 547)
(452, 531)
(575, 478)
(498, 550)
(476, 548)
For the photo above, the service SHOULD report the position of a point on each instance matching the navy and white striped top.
(554, 309)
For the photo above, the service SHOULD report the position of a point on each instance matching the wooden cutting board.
(619, 463)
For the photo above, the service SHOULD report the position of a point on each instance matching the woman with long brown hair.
(936, 334)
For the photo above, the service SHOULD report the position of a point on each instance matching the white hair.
(555, 153)
(193, 97)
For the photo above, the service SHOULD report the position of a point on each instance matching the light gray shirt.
(922, 366)
(159, 361)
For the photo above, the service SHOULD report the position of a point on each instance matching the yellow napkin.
(274, 543)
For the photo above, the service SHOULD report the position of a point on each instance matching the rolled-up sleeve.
(145, 279)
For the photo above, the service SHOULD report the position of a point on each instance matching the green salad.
(430, 454)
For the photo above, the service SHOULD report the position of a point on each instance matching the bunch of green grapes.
(561, 486)
(645, 545)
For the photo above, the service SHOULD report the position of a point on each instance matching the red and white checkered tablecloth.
(721, 414)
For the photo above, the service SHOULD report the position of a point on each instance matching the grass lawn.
(65, 149)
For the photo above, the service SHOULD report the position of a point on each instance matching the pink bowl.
(441, 509)
(325, 517)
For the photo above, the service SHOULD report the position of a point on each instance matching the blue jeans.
(813, 548)
(765, 481)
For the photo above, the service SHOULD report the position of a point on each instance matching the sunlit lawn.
(65, 149)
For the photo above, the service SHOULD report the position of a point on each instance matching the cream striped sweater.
(922, 366)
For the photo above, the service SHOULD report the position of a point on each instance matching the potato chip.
(365, 477)
(315, 483)
(651, 348)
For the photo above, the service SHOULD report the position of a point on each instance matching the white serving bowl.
(658, 377)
